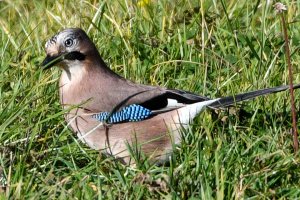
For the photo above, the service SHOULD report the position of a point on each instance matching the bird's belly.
(154, 137)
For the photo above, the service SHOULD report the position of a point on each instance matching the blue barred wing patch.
(131, 113)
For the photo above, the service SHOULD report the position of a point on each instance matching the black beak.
(50, 61)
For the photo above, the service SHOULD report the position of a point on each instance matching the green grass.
(213, 48)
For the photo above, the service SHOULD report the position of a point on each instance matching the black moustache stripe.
(74, 55)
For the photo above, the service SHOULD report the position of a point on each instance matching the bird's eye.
(69, 42)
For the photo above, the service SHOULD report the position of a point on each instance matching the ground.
(212, 48)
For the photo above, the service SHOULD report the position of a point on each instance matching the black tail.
(230, 100)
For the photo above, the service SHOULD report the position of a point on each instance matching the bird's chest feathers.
(71, 82)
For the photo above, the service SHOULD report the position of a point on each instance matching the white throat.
(72, 73)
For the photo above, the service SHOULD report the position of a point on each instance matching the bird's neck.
(73, 72)
(70, 82)
(85, 80)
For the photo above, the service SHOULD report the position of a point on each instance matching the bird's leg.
(106, 128)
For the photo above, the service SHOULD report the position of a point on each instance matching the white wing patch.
(174, 103)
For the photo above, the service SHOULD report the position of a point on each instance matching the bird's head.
(67, 47)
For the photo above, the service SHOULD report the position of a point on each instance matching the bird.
(112, 114)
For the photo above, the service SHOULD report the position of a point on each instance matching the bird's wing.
(174, 99)
(154, 97)
(171, 98)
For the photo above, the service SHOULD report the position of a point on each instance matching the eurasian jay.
(109, 112)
